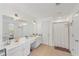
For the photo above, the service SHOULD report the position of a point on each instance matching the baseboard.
(62, 49)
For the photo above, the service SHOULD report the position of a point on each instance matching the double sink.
(34, 43)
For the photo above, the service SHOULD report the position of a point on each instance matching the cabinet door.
(61, 35)
(14, 51)
(36, 43)
(21, 50)
(25, 49)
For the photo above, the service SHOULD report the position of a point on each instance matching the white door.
(75, 36)
(61, 35)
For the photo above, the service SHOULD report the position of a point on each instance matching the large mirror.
(8, 29)
(13, 28)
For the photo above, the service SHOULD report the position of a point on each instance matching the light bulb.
(76, 15)
(24, 24)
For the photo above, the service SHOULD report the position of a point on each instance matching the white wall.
(46, 30)
(28, 29)
(0, 32)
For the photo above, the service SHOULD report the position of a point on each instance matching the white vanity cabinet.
(19, 49)
(36, 42)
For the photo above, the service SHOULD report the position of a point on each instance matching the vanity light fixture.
(16, 14)
(34, 23)
(76, 15)
(16, 17)
(24, 24)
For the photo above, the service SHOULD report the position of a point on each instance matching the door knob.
(76, 40)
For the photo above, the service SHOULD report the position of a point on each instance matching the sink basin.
(33, 38)
(13, 43)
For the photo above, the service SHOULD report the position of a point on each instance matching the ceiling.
(40, 10)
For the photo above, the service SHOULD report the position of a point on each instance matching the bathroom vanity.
(20, 48)
(23, 46)
(35, 41)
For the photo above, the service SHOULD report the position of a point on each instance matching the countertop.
(21, 40)
(15, 44)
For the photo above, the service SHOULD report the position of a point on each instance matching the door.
(61, 35)
(75, 36)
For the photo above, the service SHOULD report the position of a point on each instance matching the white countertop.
(15, 44)
(21, 40)
(33, 38)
